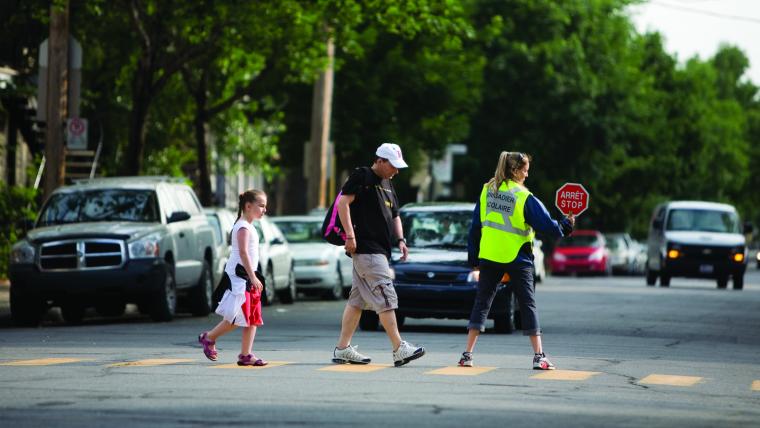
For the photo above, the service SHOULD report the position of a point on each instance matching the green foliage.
(17, 205)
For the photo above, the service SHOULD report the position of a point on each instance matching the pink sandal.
(207, 344)
(250, 360)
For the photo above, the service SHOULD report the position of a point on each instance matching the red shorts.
(252, 308)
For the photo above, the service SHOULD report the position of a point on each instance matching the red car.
(585, 251)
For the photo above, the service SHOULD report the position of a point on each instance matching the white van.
(696, 239)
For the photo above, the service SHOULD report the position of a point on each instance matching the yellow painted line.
(151, 362)
(355, 368)
(235, 366)
(460, 371)
(45, 361)
(671, 380)
(564, 375)
(756, 385)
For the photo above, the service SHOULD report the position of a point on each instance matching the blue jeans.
(521, 283)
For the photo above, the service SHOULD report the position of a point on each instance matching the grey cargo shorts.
(372, 285)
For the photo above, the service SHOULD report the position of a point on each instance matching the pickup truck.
(106, 242)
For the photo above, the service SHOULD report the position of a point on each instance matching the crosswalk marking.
(460, 371)
(671, 380)
(355, 368)
(151, 362)
(44, 361)
(756, 385)
(269, 365)
(564, 375)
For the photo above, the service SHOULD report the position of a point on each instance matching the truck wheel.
(200, 296)
(73, 313)
(267, 297)
(505, 324)
(288, 295)
(723, 282)
(369, 321)
(738, 281)
(26, 311)
(164, 299)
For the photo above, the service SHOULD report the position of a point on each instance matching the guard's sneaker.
(540, 362)
(349, 355)
(466, 360)
(406, 352)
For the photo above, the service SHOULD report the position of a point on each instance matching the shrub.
(17, 204)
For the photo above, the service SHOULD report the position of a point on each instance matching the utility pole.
(320, 133)
(57, 89)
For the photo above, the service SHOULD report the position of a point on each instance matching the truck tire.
(738, 280)
(26, 310)
(200, 296)
(164, 299)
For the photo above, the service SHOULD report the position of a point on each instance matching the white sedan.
(320, 267)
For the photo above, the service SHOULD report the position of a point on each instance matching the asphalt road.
(629, 355)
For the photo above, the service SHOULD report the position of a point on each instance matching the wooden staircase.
(80, 164)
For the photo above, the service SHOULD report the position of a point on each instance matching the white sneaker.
(349, 355)
(406, 352)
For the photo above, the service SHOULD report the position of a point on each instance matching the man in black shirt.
(368, 210)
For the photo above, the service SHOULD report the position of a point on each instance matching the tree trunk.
(199, 124)
(138, 117)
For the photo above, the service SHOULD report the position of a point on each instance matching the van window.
(703, 221)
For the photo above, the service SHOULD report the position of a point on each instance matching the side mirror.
(28, 225)
(276, 241)
(178, 216)
(657, 224)
(748, 228)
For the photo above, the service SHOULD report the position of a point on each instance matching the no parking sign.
(76, 133)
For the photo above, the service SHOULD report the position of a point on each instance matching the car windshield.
(100, 205)
(703, 221)
(580, 241)
(614, 242)
(301, 231)
(439, 229)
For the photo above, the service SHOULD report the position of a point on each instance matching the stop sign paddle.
(572, 198)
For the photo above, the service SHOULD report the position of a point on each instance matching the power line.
(706, 12)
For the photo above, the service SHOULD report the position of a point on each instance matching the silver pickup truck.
(110, 241)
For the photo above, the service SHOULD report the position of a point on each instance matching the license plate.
(705, 268)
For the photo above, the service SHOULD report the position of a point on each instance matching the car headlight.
(144, 248)
(559, 257)
(758, 256)
(22, 253)
(473, 276)
(596, 255)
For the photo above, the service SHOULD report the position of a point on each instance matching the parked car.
(320, 267)
(623, 253)
(436, 280)
(585, 251)
(696, 239)
(108, 241)
(275, 263)
(221, 220)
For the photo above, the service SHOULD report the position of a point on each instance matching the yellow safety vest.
(502, 218)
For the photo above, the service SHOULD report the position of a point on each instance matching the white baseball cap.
(392, 152)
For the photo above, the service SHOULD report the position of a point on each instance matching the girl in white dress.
(241, 304)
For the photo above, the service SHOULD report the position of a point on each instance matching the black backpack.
(332, 228)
